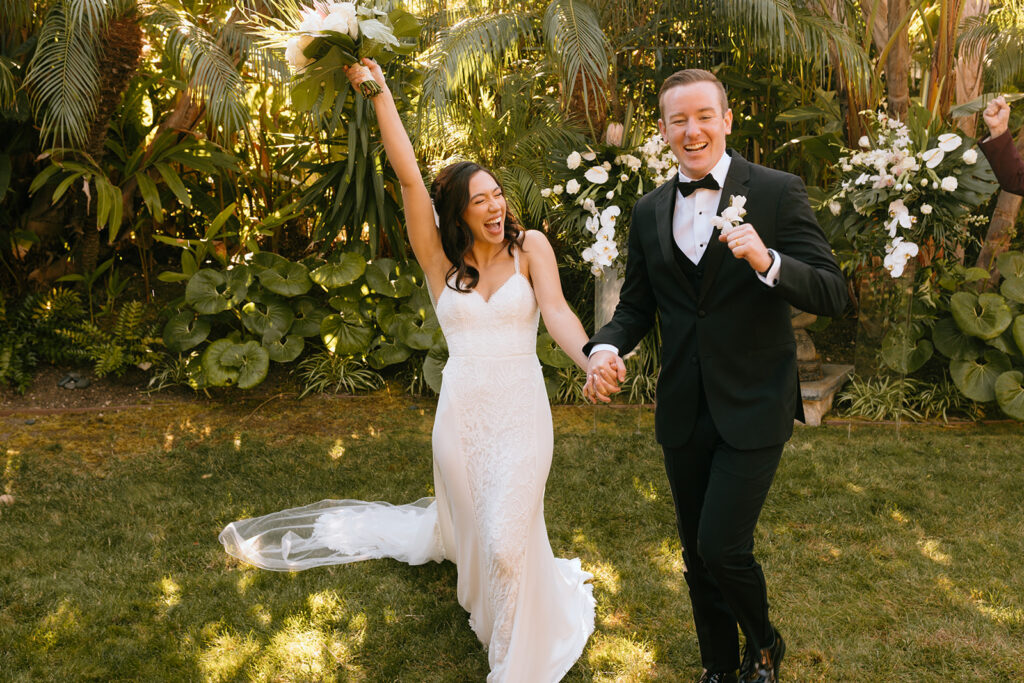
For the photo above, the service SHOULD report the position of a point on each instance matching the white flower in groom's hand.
(294, 53)
(596, 175)
(573, 186)
(949, 141)
(933, 157)
(572, 162)
(970, 156)
(949, 184)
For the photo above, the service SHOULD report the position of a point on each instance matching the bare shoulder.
(536, 239)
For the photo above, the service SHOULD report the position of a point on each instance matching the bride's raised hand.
(366, 70)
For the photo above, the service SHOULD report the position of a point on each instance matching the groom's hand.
(746, 244)
(997, 116)
(605, 370)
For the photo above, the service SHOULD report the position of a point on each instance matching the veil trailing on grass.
(337, 532)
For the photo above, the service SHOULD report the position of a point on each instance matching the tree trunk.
(942, 77)
(897, 63)
(1000, 229)
(969, 71)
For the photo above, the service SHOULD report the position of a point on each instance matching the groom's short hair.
(688, 76)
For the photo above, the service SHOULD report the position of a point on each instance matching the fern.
(29, 333)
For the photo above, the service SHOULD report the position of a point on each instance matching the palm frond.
(15, 14)
(1001, 34)
(62, 80)
(576, 43)
(8, 86)
(468, 53)
(203, 62)
(522, 194)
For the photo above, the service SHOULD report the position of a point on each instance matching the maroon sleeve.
(1006, 163)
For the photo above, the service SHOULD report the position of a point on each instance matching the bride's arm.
(419, 213)
(562, 323)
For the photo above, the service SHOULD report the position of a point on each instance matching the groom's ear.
(727, 118)
(661, 129)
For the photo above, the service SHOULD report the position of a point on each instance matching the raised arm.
(419, 213)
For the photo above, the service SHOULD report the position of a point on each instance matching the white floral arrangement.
(596, 193)
(337, 34)
(905, 191)
(732, 215)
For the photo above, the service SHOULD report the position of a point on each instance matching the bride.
(492, 439)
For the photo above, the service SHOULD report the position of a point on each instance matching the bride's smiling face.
(485, 212)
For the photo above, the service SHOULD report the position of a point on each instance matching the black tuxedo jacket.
(734, 336)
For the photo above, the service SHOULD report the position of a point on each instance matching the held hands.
(746, 244)
(605, 371)
(997, 116)
(366, 70)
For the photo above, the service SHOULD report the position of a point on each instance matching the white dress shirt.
(692, 229)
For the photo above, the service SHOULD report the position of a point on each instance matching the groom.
(728, 390)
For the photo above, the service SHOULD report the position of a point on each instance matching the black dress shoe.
(708, 677)
(763, 666)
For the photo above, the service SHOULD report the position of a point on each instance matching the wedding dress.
(492, 444)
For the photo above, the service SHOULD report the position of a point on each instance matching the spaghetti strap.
(515, 256)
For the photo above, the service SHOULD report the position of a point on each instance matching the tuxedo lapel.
(735, 184)
(664, 207)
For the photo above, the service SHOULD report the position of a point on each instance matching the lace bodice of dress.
(504, 325)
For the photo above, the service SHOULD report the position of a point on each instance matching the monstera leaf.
(389, 278)
(343, 338)
(285, 350)
(385, 353)
(952, 343)
(549, 352)
(251, 360)
(308, 316)
(185, 330)
(903, 350)
(433, 366)
(976, 379)
(1010, 393)
(345, 272)
(287, 279)
(984, 316)
(270, 319)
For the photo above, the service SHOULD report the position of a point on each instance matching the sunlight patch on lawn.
(302, 652)
(619, 658)
(929, 547)
(337, 450)
(170, 593)
(668, 557)
(237, 441)
(62, 622)
(898, 515)
(224, 658)
(854, 488)
(325, 606)
(606, 576)
(645, 489)
(246, 579)
(1008, 615)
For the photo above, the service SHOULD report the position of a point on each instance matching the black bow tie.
(686, 188)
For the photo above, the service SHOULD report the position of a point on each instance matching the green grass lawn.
(889, 557)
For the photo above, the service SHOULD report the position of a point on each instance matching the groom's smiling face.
(694, 122)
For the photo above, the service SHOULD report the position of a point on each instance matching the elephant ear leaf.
(218, 373)
(952, 343)
(976, 379)
(345, 272)
(550, 354)
(343, 338)
(984, 316)
(386, 352)
(251, 360)
(390, 278)
(433, 366)
(903, 351)
(287, 279)
(286, 350)
(1011, 264)
(270, 320)
(1010, 393)
(207, 293)
(1013, 289)
(185, 330)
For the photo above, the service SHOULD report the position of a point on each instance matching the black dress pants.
(719, 492)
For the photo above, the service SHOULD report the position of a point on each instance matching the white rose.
(970, 156)
(572, 162)
(557, 189)
(949, 183)
(341, 21)
(949, 141)
(596, 174)
(546, 192)
(294, 55)
(573, 186)
(589, 155)
(933, 157)
(311, 21)
(732, 214)
(835, 208)
(924, 182)
(864, 142)
(610, 194)
(926, 209)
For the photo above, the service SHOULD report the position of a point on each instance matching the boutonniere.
(732, 215)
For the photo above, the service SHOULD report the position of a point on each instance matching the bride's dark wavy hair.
(450, 192)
